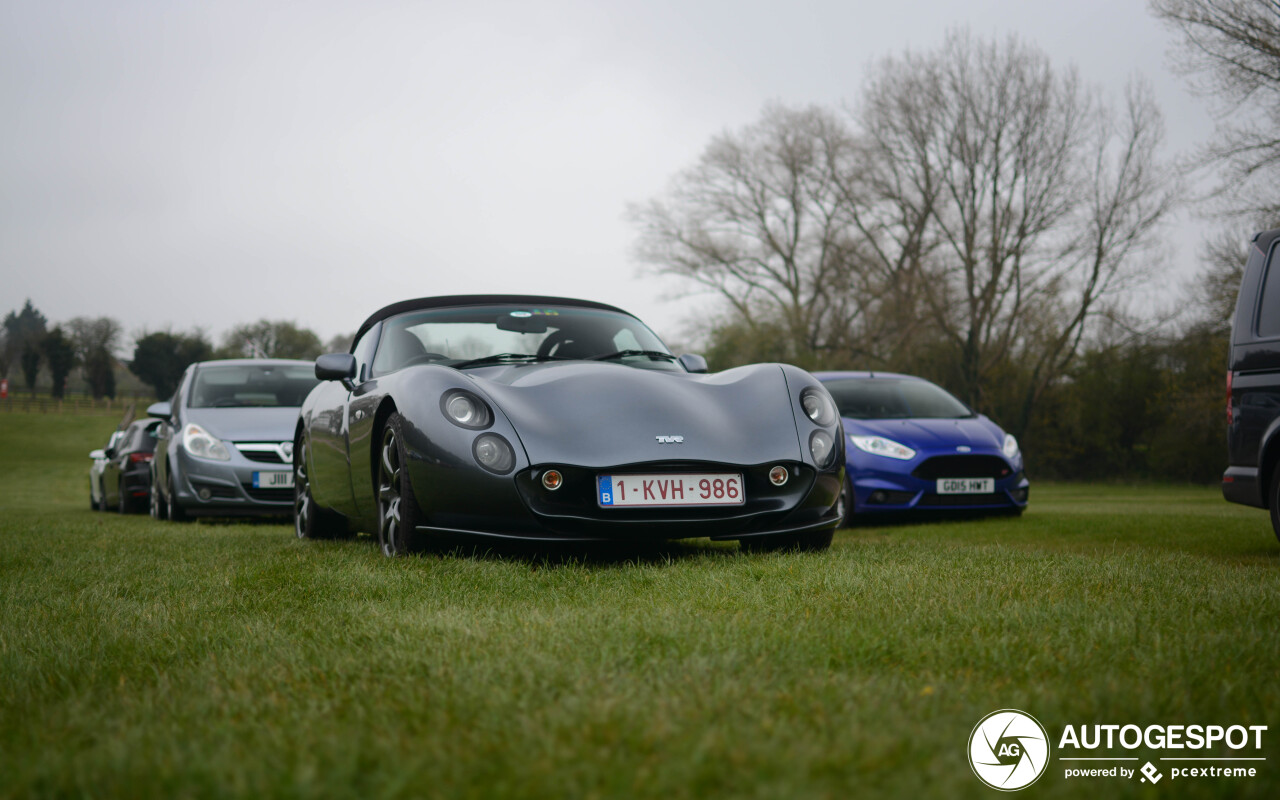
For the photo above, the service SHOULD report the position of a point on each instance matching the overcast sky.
(181, 163)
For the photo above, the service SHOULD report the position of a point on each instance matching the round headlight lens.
(466, 410)
(1010, 448)
(494, 453)
(817, 407)
(821, 446)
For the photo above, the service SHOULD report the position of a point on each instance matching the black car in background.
(226, 444)
(1253, 383)
(127, 475)
(124, 478)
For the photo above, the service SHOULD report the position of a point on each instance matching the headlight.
(820, 446)
(817, 406)
(465, 409)
(880, 446)
(200, 443)
(1010, 446)
(494, 453)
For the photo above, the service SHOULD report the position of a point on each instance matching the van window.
(1269, 308)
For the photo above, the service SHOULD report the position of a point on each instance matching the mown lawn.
(143, 659)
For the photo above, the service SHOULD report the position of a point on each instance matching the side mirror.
(97, 455)
(336, 367)
(160, 410)
(693, 362)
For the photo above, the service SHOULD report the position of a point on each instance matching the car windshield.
(889, 398)
(239, 385)
(469, 336)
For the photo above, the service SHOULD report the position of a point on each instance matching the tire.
(176, 512)
(310, 521)
(1273, 500)
(809, 542)
(126, 504)
(846, 506)
(398, 512)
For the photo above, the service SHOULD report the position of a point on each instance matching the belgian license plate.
(276, 479)
(698, 489)
(966, 485)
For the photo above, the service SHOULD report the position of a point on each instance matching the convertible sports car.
(548, 418)
(915, 446)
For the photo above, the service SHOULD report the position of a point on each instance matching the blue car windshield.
(890, 398)
(468, 336)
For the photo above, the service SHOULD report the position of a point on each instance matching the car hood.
(932, 434)
(246, 424)
(601, 414)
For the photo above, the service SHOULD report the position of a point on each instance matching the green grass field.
(144, 659)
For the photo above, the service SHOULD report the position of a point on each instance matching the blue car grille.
(962, 467)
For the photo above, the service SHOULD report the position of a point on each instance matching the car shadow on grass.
(549, 555)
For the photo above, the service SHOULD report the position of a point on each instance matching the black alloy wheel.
(398, 514)
(155, 502)
(309, 520)
(176, 512)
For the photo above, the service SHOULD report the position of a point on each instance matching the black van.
(1253, 384)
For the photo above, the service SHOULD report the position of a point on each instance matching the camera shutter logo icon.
(1008, 750)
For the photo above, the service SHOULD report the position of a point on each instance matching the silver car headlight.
(200, 443)
(1010, 448)
(880, 446)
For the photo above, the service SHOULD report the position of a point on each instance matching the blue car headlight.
(880, 446)
(1010, 448)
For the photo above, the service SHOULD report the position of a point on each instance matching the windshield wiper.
(505, 358)
(625, 353)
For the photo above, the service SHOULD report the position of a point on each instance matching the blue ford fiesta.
(912, 445)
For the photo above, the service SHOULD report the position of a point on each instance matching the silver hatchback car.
(226, 445)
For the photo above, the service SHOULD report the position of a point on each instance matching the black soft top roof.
(475, 300)
(1264, 239)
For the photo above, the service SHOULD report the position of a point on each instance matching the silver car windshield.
(239, 385)
(478, 335)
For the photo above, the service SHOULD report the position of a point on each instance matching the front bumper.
(913, 485)
(225, 488)
(518, 507)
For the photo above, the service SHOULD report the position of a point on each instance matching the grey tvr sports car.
(548, 418)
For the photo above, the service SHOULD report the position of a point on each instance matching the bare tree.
(760, 220)
(95, 341)
(1232, 49)
(270, 339)
(1023, 202)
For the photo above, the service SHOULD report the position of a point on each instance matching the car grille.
(962, 467)
(268, 495)
(262, 453)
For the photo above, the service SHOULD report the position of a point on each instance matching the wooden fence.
(44, 404)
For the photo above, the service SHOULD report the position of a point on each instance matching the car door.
(328, 430)
(166, 439)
